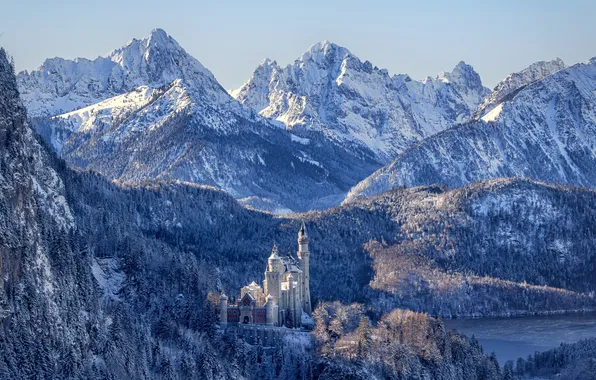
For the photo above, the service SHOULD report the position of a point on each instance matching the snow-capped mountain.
(62, 85)
(157, 113)
(330, 91)
(515, 82)
(545, 130)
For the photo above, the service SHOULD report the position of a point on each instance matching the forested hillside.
(402, 345)
(566, 362)
(503, 246)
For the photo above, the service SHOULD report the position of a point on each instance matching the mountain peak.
(267, 62)
(323, 45)
(461, 72)
(159, 33)
(325, 49)
(541, 69)
(326, 46)
(467, 81)
(463, 66)
(159, 37)
(155, 60)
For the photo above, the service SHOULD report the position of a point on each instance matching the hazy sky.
(231, 37)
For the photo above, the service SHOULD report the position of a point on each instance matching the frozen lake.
(511, 338)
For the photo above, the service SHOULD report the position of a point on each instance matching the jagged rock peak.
(159, 34)
(353, 103)
(462, 73)
(62, 85)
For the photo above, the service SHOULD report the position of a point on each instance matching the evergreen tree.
(364, 338)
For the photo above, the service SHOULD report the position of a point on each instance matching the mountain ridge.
(544, 131)
(330, 91)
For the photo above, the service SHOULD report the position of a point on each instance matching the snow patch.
(493, 115)
(298, 139)
(109, 278)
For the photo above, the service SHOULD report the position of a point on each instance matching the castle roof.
(253, 286)
(274, 252)
(292, 268)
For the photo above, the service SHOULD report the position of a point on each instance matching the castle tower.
(223, 309)
(273, 274)
(304, 256)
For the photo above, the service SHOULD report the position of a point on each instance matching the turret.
(274, 263)
(272, 310)
(223, 309)
(273, 273)
(304, 256)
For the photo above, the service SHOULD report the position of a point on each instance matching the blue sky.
(231, 37)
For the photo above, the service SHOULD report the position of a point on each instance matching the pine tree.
(364, 336)
(208, 320)
(188, 367)
(289, 322)
(206, 362)
(279, 360)
(167, 371)
(260, 351)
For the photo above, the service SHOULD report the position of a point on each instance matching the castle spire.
(303, 235)
(302, 231)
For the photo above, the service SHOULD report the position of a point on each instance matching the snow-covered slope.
(515, 82)
(330, 91)
(179, 123)
(546, 131)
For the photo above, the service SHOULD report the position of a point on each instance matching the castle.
(285, 294)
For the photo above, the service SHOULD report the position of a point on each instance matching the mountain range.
(151, 111)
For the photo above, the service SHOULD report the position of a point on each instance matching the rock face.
(331, 92)
(544, 130)
(151, 111)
